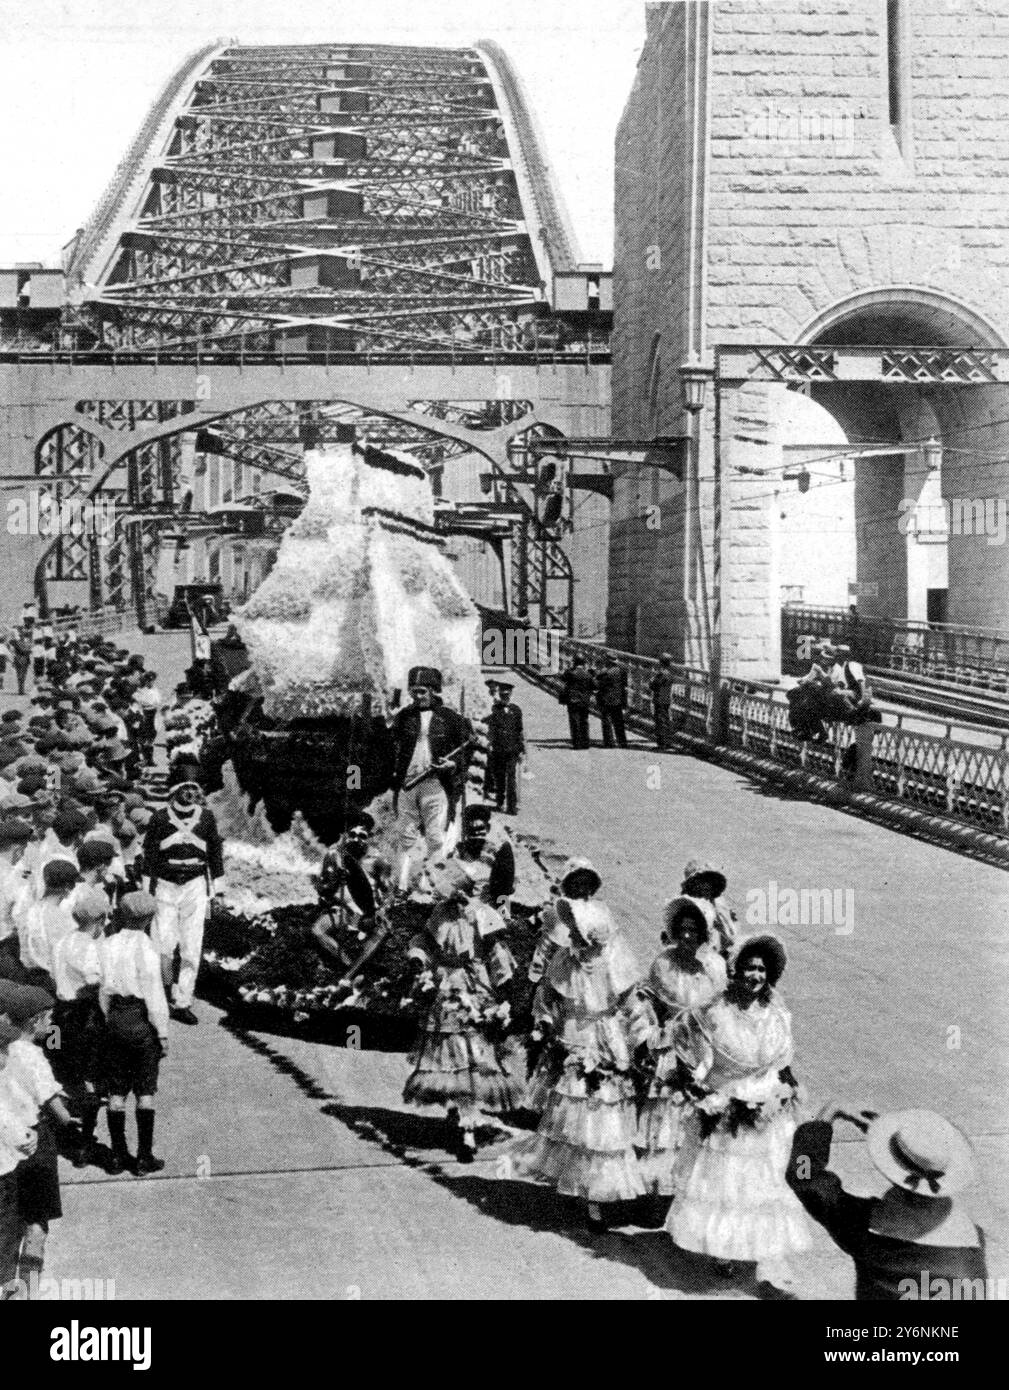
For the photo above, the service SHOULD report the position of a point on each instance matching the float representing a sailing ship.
(361, 591)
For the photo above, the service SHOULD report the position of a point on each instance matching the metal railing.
(917, 766)
(942, 651)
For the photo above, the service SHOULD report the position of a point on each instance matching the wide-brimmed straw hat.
(921, 1152)
(771, 951)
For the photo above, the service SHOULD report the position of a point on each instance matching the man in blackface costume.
(432, 757)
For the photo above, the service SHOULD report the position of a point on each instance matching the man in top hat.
(661, 687)
(431, 760)
(506, 745)
(917, 1240)
(184, 864)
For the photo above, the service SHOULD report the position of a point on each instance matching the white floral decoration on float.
(361, 591)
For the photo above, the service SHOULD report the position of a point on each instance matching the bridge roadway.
(294, 1170)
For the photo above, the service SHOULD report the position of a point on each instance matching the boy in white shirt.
(38, 1099)
(17, 1142)
(132, 998)
(77, 975)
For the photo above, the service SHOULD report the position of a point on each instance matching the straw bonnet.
(580, 866)
(702, 868)
(685, 906)
(921, 1152)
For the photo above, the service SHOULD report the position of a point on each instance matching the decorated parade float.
(360, 593)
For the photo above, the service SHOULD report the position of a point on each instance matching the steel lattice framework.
(334, 199)
(321, 205)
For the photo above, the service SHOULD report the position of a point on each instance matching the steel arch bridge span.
(331, 198)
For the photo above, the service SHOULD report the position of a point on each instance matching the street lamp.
(932, 453)
(694, 378)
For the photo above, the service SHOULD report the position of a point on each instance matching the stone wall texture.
(808, 197)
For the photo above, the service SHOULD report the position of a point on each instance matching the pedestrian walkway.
(295, 1171)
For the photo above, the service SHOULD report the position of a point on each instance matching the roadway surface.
(294, 1170)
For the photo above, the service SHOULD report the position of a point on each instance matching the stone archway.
(901, 504)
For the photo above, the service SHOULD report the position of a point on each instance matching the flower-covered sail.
(360, 592)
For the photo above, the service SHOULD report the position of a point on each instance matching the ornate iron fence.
(961, 781)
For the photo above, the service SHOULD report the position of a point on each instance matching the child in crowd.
(132, 999)
(17, 1142)
(37, 1099)
(77, 974)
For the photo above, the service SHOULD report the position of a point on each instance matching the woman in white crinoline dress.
(731, 1201)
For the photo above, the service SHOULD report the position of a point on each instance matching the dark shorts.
(10, 961)
(39, 1181)
(132, 1050)
(80, 1053)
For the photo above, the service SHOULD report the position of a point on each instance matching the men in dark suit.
(661, 687)
(506, 746)
(577, 695)
(431, 760)
(611, 694)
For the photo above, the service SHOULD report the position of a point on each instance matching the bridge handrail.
(980, 654)
(958, 780)
(97, 224)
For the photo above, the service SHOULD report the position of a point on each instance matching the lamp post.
(694, 378)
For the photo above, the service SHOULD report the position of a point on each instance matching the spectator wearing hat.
(661, 688)
(21, 655)
(431, 760)
(148, 699)
(506, 746)
(39, 656)
(14, 886)
(917, 1240)
(17, 1141)
(611, 698)
(576, 693)
(489, 793)
(43, 921)
(37, 1096)
(184, 865)
(61, 841)
(132, 999)
(77, 973)
(100, 866)
(707, 882)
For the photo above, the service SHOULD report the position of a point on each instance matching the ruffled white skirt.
(584, 1146)
(731, 1200)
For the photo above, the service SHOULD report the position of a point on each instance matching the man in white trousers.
(183, 868)
(432, 755)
